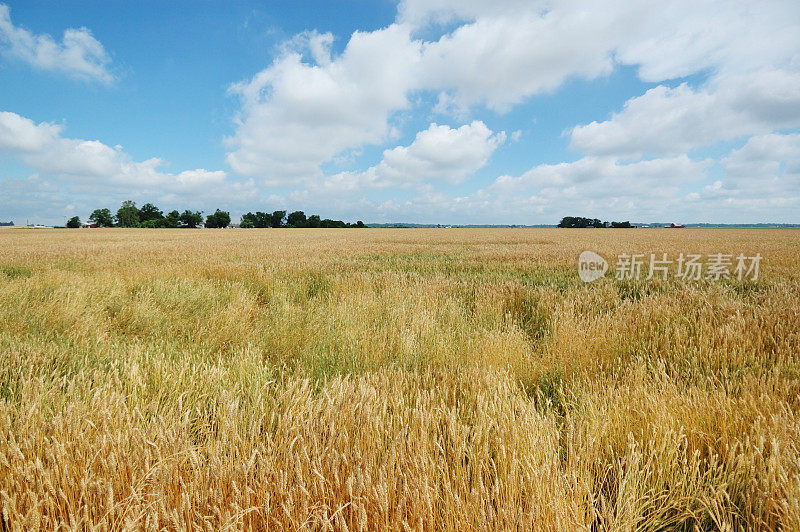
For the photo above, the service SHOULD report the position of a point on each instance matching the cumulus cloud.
(443, 153)
(673, 120)
(297, 115)
(503, 52)
(638, 159)
(439, 153)
(677, 38)
(664, 39)
(762, 178)
(90, 163)
(767, 165)
(752, 85)
(602, 177)
(309, 106)
(501, 60)
(759, 180)
(596, 186)
(78, 54)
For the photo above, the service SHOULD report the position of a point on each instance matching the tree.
(153, 224)
(261, 219)
(332, 224)
(296, 219)
(102, 217)
(246, 224)
(191, 219)
(248, 218)
(218, 219)
(580, 222)
(223, 218)
(360, 224)
(172, 219)
(278, 219)
(128, 214)
(74, 222)
(150, 212)
(313, 221)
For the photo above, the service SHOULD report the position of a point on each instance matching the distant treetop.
(150, 216)
(579, 222)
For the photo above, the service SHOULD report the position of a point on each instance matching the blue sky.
(437, 111)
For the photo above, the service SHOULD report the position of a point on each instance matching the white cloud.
(674, 120)
(18, 133)
(509, 50)
(78, 54)
(442, 153)
(90, 163)
(750, 55)
(439, 153)
(665, 39)
(309, 107)
(598, 177)
(501, 60)
(591, 186)
(296, 115)
(767, 165)
(677, 38)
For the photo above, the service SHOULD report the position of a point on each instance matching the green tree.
(218, 219)
(360, 224)
(153, 224)
(277, 219)
(313, 221)
(261, 219)
(248, 220)
(580, 222)
(128, 214)
(74, 222)
(296, 219)
(102, 217)
(223, 218)
(172, 219)
(148, 211)
(332, 224)
(191, 219)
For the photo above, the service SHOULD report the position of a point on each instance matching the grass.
(394, 379)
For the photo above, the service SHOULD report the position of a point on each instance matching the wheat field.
(382, 379)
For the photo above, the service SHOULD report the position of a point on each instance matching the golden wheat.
(394, 379)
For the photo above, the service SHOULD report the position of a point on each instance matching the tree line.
(293, 219)
(150, 216)
(581, 222)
